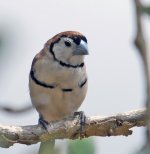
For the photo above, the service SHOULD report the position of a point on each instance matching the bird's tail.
(47, 147)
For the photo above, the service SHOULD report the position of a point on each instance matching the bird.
(58, 79)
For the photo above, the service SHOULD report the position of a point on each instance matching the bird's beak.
(82, 49)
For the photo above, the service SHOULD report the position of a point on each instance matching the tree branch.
(8, 109)
(68, 128)
(142, 47)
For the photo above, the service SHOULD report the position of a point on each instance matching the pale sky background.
(116, 81)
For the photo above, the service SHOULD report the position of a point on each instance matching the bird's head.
(68, 48)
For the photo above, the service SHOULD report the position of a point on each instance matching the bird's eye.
(68, 43)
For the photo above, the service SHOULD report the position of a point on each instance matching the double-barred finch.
(58, 79)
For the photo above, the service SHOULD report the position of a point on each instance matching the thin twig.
(14, 110)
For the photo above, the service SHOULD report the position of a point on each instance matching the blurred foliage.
(47, 147)
(146, 10)
(7, 37)
(85, 146)
(144, 150)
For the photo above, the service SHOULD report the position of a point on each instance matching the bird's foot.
(82, 123)
(43, 122)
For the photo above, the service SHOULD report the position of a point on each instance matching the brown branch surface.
(119, 124)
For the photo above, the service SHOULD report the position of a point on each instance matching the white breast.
(54, 104)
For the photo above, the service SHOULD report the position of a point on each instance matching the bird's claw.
(82, 123)
(43, 122)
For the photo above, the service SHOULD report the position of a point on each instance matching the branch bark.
(115, 125)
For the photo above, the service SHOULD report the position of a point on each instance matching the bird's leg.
(43, 122)
(82, 122)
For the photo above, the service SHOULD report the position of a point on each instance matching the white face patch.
(63, 52)
(68, 39)
(68, 51)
